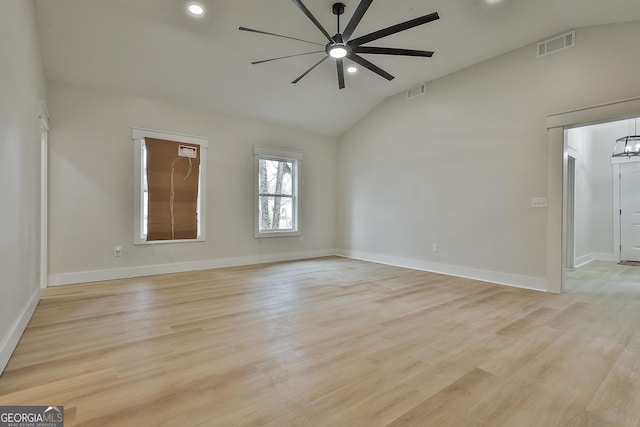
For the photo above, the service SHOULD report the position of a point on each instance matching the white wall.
(602, 191)
(91, 187)
(21, 89)
(459, 165)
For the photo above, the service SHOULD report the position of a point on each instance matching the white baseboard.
(10, 340)
(150, 270)
(605, 256)
(508, 279)
(581, 261)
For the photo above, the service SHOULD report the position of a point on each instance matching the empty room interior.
(314, 213)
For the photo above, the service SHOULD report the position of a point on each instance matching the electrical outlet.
(538, 202)
(117, 251)
(434, 247)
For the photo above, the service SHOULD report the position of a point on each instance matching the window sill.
(161, 242)
(260, 235)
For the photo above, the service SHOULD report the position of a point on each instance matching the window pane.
(275, 177)
(145, 212)
(276, 213)
(172, 190)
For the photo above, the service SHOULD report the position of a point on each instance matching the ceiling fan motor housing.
(339, 44)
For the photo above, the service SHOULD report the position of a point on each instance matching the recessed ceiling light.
(492, 1)
(195, 9)
(352, 69)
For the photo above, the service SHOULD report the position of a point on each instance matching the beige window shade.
(172, 180)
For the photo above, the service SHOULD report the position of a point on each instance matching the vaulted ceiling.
(154, 49)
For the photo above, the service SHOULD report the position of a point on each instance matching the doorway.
(558, 125)
(601, 198)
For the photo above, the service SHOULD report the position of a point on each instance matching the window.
(169, 187)
(277, 192)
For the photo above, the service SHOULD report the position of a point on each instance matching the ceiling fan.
(341, 45)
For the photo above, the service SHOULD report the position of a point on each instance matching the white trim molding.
(277, 152)
(499, 278)
(617, 249)
(141, 133)
(583, 260)
(615, 110)
(181, 267)
(9, 342)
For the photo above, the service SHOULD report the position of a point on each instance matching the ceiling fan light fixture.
(338, 51)
(628, 146)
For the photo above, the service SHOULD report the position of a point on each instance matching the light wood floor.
(331, 342)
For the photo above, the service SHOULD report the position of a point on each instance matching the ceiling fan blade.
(355, 19)
(309, 70)
(340, 65)
(394, 29)
(313, 19)
(360, 60)
(288, 56)
(392, 51)
(277, 35)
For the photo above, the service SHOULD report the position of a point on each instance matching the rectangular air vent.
(416, 91)
(556, 44)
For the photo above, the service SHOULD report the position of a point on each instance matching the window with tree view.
(277, 193)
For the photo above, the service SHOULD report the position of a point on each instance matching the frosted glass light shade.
(338, 52)
(627, 146)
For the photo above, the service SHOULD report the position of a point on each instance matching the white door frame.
(570, 256)
(44, 157)
(617, 196)
(557, 159)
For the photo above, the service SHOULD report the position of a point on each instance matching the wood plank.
(328, 342)
(618, 399)
(456, 398)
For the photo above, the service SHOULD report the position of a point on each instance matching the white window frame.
(282, 155)
(138, 135)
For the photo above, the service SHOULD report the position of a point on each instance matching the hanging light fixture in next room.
(628, 146)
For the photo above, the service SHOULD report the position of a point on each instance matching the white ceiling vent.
(416, 91)
(556, 44)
